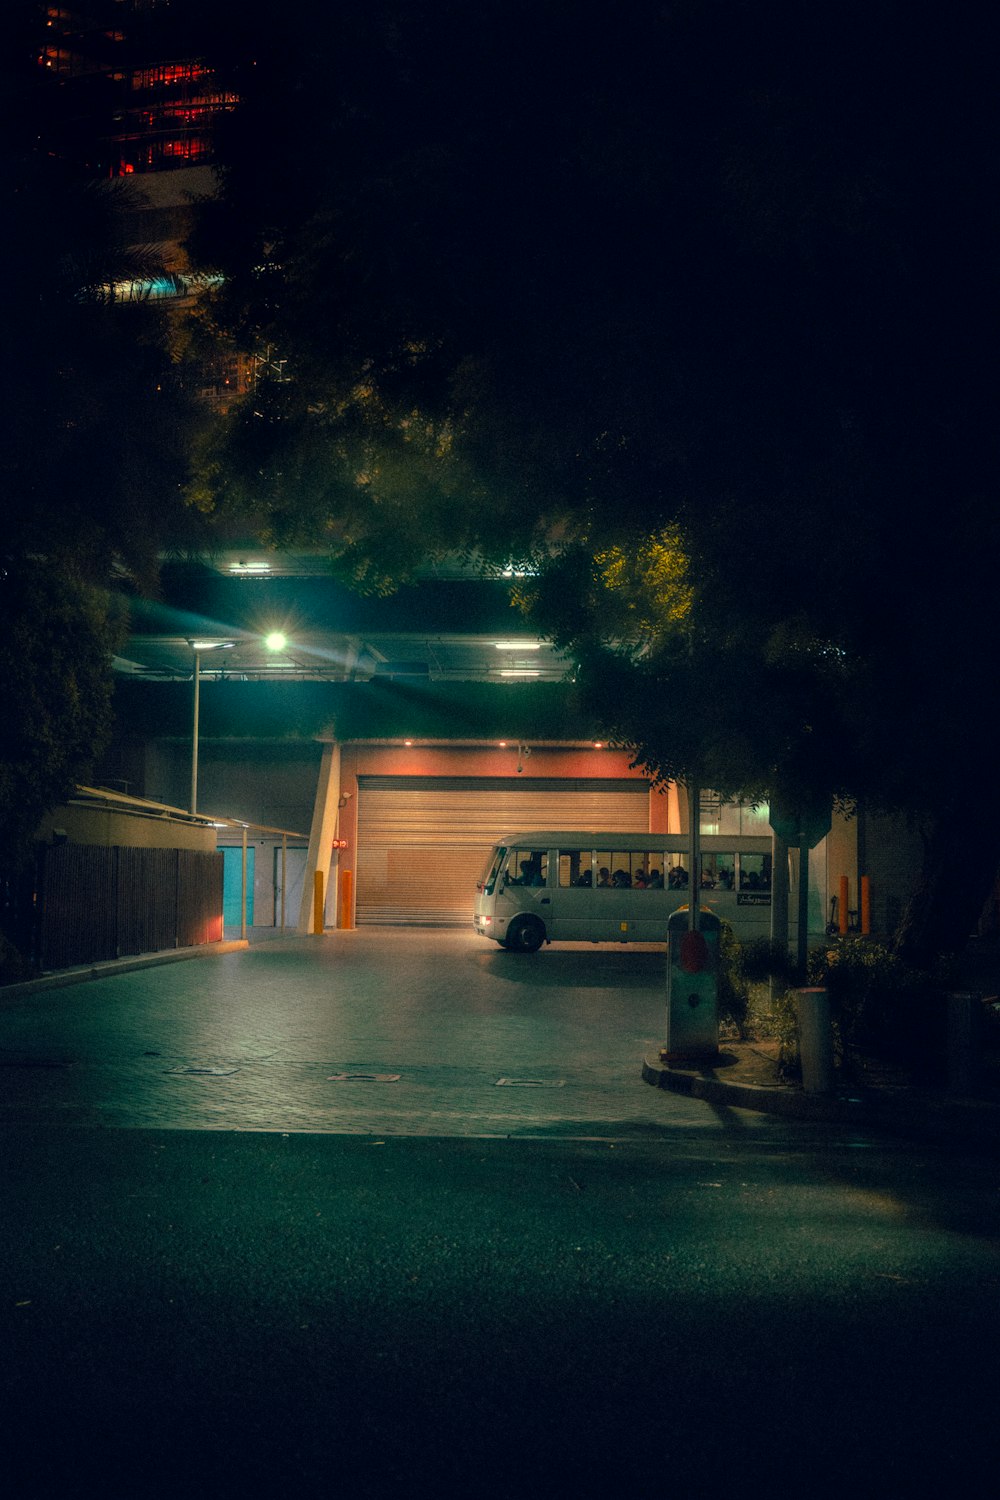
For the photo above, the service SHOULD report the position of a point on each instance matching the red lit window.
(169, 73)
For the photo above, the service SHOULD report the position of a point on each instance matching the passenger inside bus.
(755, 872)
(678, 878)
(604, 878)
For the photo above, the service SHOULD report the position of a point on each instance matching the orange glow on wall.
(499, 760)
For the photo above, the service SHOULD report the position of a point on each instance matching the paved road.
(299, 1034)
(442, 1286)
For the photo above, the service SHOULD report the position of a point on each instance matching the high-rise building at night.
(127, 91)
(131, 91)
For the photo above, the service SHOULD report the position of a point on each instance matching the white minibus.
(616, 887)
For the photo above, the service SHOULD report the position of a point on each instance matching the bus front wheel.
(526, 935)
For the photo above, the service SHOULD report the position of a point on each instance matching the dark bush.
(880, 1005)
(742, 967)
(13, 967)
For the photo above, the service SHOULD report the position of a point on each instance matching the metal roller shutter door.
(422, 840)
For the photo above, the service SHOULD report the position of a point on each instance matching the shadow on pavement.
(574, 968)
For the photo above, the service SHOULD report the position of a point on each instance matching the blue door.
(232, 886)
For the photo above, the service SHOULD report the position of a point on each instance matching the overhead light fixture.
(518, 645)
(276, 640)
(519, 672)
(245, 569)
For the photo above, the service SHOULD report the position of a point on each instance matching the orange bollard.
(318, 901)
(866, 905)
(843, 915)
(346, 894)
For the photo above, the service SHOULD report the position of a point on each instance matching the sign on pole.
(801, 827)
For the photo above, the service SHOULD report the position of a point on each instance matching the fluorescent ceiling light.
(518, 645)
(519, 672)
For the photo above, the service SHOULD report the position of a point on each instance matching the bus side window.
(574, 867)
(647, 874)
(755, 872)
(525, 867)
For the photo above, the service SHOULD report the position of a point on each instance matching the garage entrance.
(422, 840)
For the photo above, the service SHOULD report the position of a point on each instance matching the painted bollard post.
(692, 988)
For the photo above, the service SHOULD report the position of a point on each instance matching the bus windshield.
(494, 860)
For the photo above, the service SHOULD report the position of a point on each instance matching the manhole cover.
(531, 1083)
(205, 1072)
(364, 1077)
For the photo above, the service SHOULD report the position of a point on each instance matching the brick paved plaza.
(274, 1038)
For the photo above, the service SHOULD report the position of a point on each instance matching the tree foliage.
(57, 636)
(93, 461)
(551, 288)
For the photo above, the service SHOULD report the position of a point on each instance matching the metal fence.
(97, 903)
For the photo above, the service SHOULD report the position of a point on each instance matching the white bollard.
(815, 1040)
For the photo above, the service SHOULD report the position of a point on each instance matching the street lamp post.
(194, 730)
(198, 647)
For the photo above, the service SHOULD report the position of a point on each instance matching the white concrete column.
(322, 833)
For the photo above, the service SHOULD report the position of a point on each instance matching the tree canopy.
(527, 281)
(675, 280)
(93, 463)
